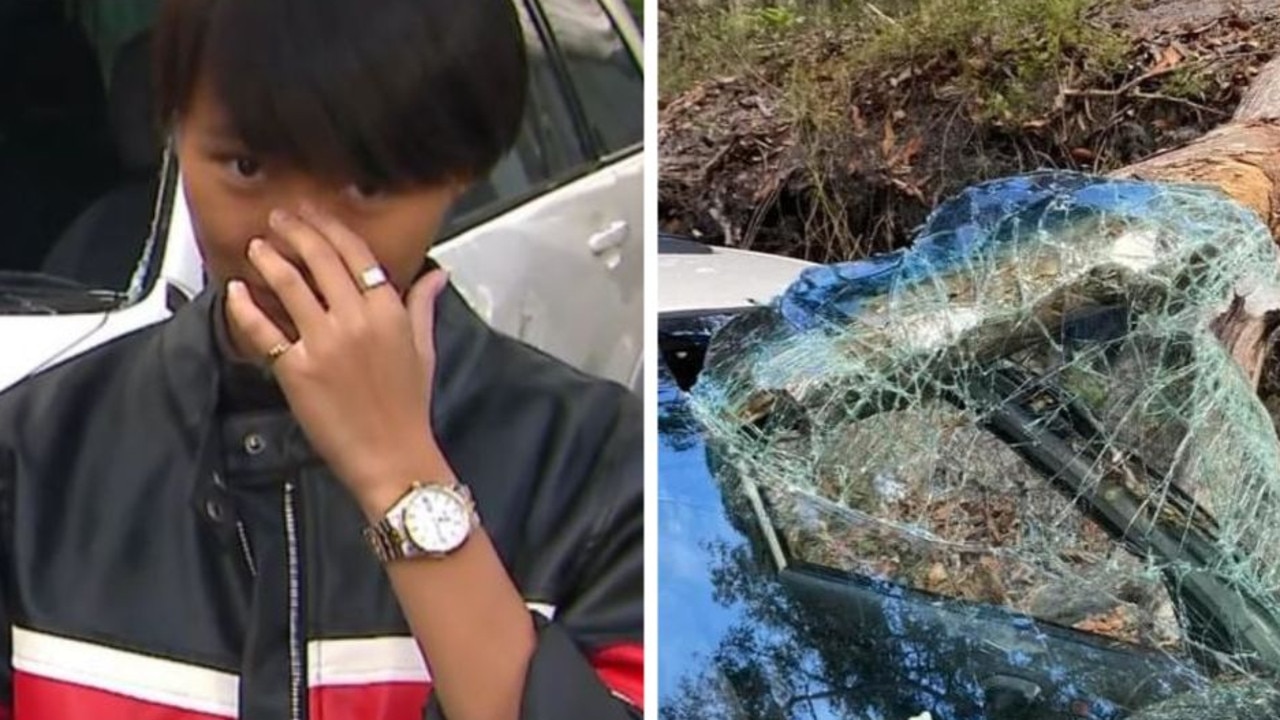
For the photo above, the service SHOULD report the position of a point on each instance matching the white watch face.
(437, 520)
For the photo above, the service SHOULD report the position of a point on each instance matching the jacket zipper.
(246, 550)
(295, 639)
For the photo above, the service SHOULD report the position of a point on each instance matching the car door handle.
(608, 238)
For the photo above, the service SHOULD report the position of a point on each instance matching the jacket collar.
(191, 364)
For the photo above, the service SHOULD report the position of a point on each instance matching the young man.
(324, 488)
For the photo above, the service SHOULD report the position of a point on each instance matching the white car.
(697, 279)
(700, 286)
(97, 241)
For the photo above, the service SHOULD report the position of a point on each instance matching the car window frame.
(157, 245)
(578, 106)
(593, 159)
(635, 51)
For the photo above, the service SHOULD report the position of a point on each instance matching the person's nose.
(295, 193)
(291, 197)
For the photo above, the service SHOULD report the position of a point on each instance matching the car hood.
(693, 277)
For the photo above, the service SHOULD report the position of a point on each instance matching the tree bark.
(1243, 159)
(1262, 102)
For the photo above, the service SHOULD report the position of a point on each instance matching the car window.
(547, 148)
(604, 74)
(79, 165)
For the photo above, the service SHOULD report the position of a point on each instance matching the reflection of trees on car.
(761, 666)
(789, 660)
(679, 429)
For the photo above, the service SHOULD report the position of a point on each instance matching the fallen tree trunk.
(1243, 159)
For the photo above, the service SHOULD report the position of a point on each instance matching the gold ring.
(279, 349)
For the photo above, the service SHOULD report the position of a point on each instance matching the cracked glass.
(1011, 469)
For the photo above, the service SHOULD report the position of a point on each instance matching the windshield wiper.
(1060, 440)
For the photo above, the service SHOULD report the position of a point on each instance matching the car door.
(549, 248)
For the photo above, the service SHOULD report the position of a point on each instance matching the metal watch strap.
(386, 540)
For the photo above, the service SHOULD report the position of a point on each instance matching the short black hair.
(386, 92)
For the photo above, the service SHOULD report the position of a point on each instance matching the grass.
(711, 41)
(703, 44)
(998, 62)
(1188, 82)
(1013, 54)
(1007, 49)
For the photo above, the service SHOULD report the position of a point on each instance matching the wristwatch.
(430, 520)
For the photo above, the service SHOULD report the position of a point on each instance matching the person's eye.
(244, 168)
(365, 191)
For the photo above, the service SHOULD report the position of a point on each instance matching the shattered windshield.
(1031, 412)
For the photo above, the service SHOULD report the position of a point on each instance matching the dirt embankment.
(744, 164)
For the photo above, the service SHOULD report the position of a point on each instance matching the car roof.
(694, 278)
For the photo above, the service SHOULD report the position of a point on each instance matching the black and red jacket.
(170, 555)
